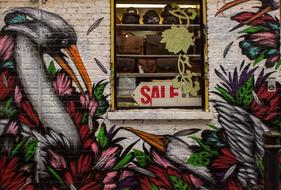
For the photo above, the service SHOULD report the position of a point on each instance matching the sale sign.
(162, 94)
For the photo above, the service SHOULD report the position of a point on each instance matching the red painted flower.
(225, 160)
(7, 83)
(267, 107)
(12, 177)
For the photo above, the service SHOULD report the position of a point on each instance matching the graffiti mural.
(61, 142)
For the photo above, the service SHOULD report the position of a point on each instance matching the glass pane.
(158, 54)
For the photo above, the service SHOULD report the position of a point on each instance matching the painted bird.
(175, 149)
(266, 6)
(36, 33)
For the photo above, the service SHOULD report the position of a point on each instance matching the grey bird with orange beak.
(174, 149)
(38, 33)
(266, 6)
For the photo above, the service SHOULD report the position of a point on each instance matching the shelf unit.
(195, 54)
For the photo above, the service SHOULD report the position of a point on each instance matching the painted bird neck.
(31, 72)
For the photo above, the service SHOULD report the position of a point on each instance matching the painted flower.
(177, 39)
(89, 103)
(12, 174)
(261, 40)
(63, 84)
(266, 107)
(12, 128)
(7, 83)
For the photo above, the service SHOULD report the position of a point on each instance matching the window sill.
(160, 115)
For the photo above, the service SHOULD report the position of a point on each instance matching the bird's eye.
(64, 42)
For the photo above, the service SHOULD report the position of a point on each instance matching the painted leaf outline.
(102, 136)
(244, 95)
(178, 183)
(142, 158)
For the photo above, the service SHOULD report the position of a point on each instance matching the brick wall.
(81, 14)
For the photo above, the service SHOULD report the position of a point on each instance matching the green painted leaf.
(200, 159)
(54, 174)
(99, 90)
(142, 158)
(244, 95)
(127, 159)
(17, 148)
(213, 127)
(102, 108)
(102, 136)
(259, 58)
(178, 184)
(30, 149)
(153, 187)
(225, 95)
(85, 118)
(254, 29)
(8, 109)
(52, 69)
(278, 64)
(260, 166)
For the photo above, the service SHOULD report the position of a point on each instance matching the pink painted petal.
(125, 174)
(95, 148)
(161, 161)
(110, 177)
(6, 47)
(110, 186)
(12, 128)
(18, 95)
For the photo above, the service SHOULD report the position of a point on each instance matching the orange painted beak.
(160, 142)
(72, 51)
(230, 5)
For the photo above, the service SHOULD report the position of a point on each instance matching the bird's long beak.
(72, 51)
(230, 5)
(160, 142)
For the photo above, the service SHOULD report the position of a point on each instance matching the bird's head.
(53, 36)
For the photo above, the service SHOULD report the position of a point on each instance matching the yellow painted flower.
(177, 39)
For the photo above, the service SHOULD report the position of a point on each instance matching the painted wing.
(244, 133)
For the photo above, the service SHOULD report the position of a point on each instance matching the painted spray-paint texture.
(81, 152)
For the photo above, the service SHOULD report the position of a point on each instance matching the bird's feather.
(186, 132)
(244, 133)
(95, 25)
(102, 68)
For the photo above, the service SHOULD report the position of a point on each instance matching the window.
(158, 54)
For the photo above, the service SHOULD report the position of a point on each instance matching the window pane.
(158, 54)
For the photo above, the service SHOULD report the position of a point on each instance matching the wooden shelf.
(150, 27)
(148, 75)
(157, 56)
